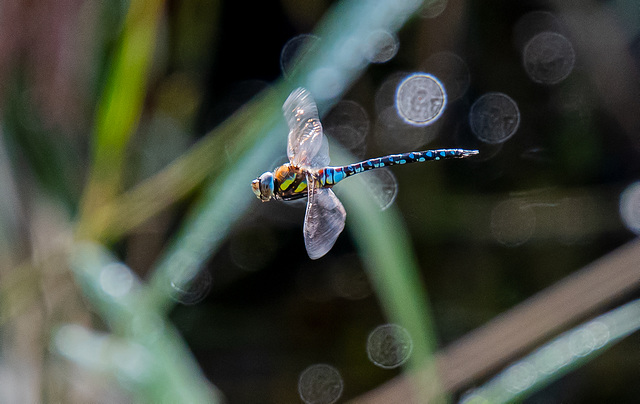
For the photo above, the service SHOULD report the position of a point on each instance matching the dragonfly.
(308, 174)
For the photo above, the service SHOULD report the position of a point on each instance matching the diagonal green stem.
(121, 105)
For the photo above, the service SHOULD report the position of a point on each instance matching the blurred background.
(115, 128)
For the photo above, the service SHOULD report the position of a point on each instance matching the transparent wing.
(306, 146)
(382, 186)
(321, 159)
(323, 221)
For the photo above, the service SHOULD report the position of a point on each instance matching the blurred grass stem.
(120, 108)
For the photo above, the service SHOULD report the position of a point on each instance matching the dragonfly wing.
(323, 221)
(306, 146)
(321, 159)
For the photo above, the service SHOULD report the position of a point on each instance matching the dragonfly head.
(263, 186)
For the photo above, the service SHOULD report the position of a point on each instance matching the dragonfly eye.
(263, 186)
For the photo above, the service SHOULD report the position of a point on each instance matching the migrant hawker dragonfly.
(308, 173)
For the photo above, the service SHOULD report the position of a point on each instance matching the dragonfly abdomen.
(330, 176)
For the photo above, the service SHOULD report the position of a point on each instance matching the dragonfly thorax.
(290, 182)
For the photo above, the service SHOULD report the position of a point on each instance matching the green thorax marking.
(290, 182)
